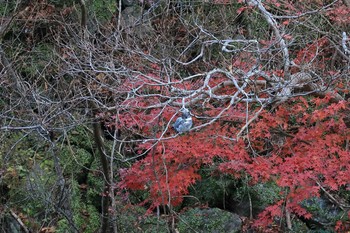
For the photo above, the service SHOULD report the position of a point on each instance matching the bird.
(183, 123)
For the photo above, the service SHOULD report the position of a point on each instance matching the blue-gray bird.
(183, 123)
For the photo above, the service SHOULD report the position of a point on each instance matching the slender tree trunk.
(105, 168)
(98, 138)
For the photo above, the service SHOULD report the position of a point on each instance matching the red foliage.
(339, 15)
(311, 155)
(300, 145)
(313, 54)
(172, 166)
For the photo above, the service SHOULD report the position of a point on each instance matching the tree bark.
(105, 168)
(98, 138)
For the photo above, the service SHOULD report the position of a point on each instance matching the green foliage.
(85, 215)
(32, 176)
(37, 60)
(81, 138)
(212, 189)
(323, 210)
(95, 188)
(212, 220)
(300, 227)
(73, 163)
(78, 160)
(7, 8)
(86, 218)
(29, 173)
(222, 190)
(62, 226)
(267, 193)
(102, 9)
(77, 153)
(261, 27)
(35, 195)
(134, 219)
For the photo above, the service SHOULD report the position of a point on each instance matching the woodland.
(90, 91)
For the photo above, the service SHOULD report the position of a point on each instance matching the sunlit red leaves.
(236, 160)
(266, 43)
(260, 170)
(311, 54)
(294, 7)
(311, 153)
(147, 121)
(339, 15)
(298, 210)
(164, 175)
(314, 148)
(171, 166)
(243, 8)
(327, 112)
(267, 217)
(244, 61)
(285, 22)
(287, 37)
(263, 125)
(342, 226)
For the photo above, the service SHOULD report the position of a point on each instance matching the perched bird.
(183, 123)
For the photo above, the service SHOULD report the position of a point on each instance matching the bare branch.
(343, 43)
(279, 36)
